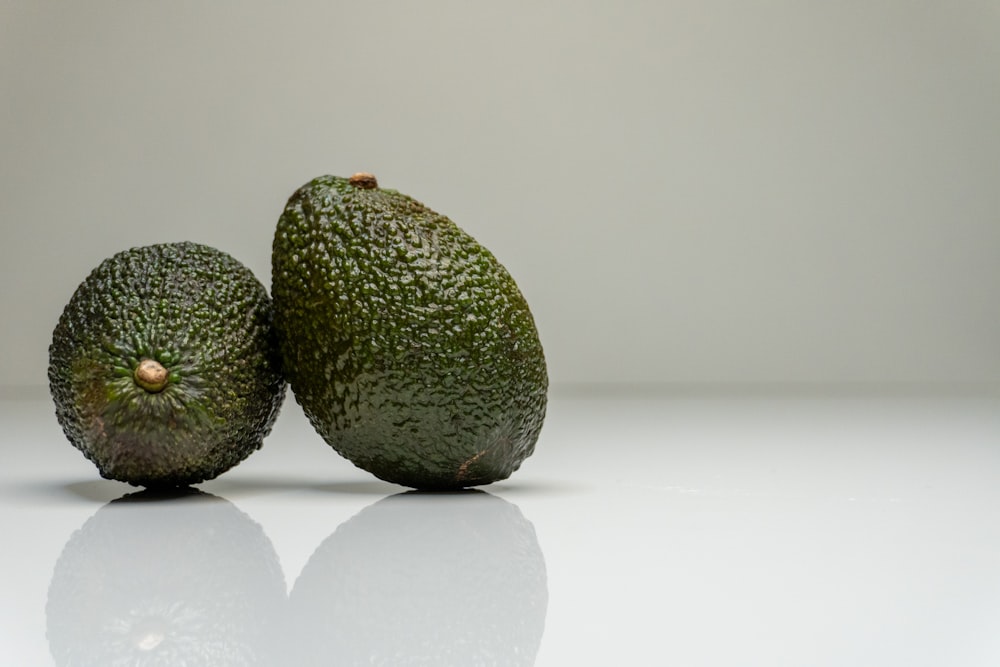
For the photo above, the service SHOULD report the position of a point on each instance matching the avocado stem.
(363, 180)
(151, 375)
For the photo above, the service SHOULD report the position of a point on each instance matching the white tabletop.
(647, 529)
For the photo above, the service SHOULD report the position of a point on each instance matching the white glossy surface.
(646, 530)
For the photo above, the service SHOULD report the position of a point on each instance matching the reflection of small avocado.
(408, 345)
(186, 579)
(163, 366)
(423, 579)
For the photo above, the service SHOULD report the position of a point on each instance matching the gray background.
(687, 192)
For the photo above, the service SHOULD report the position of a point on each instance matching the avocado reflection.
(165, 579)
(423, 578)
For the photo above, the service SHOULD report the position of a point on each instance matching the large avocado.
(408, 345)
(163, 366)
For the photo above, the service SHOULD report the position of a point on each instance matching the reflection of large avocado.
(416, 579)
(189, 581)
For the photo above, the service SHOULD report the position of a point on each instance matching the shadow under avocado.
(99, 490)
(103, 490)
(233, 486)
(445, 578)
(192, 581)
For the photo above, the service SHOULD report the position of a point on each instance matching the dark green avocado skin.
(203, 316)
(409, 347)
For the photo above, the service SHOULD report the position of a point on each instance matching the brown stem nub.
(151, 375)
(363, 180)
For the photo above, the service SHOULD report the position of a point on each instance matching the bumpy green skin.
(408, 345)
(203, 316)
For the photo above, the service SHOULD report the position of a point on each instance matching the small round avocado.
(163, 365)
(408, 345)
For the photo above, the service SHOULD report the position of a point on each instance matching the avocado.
(408, 345)
(163, 366)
